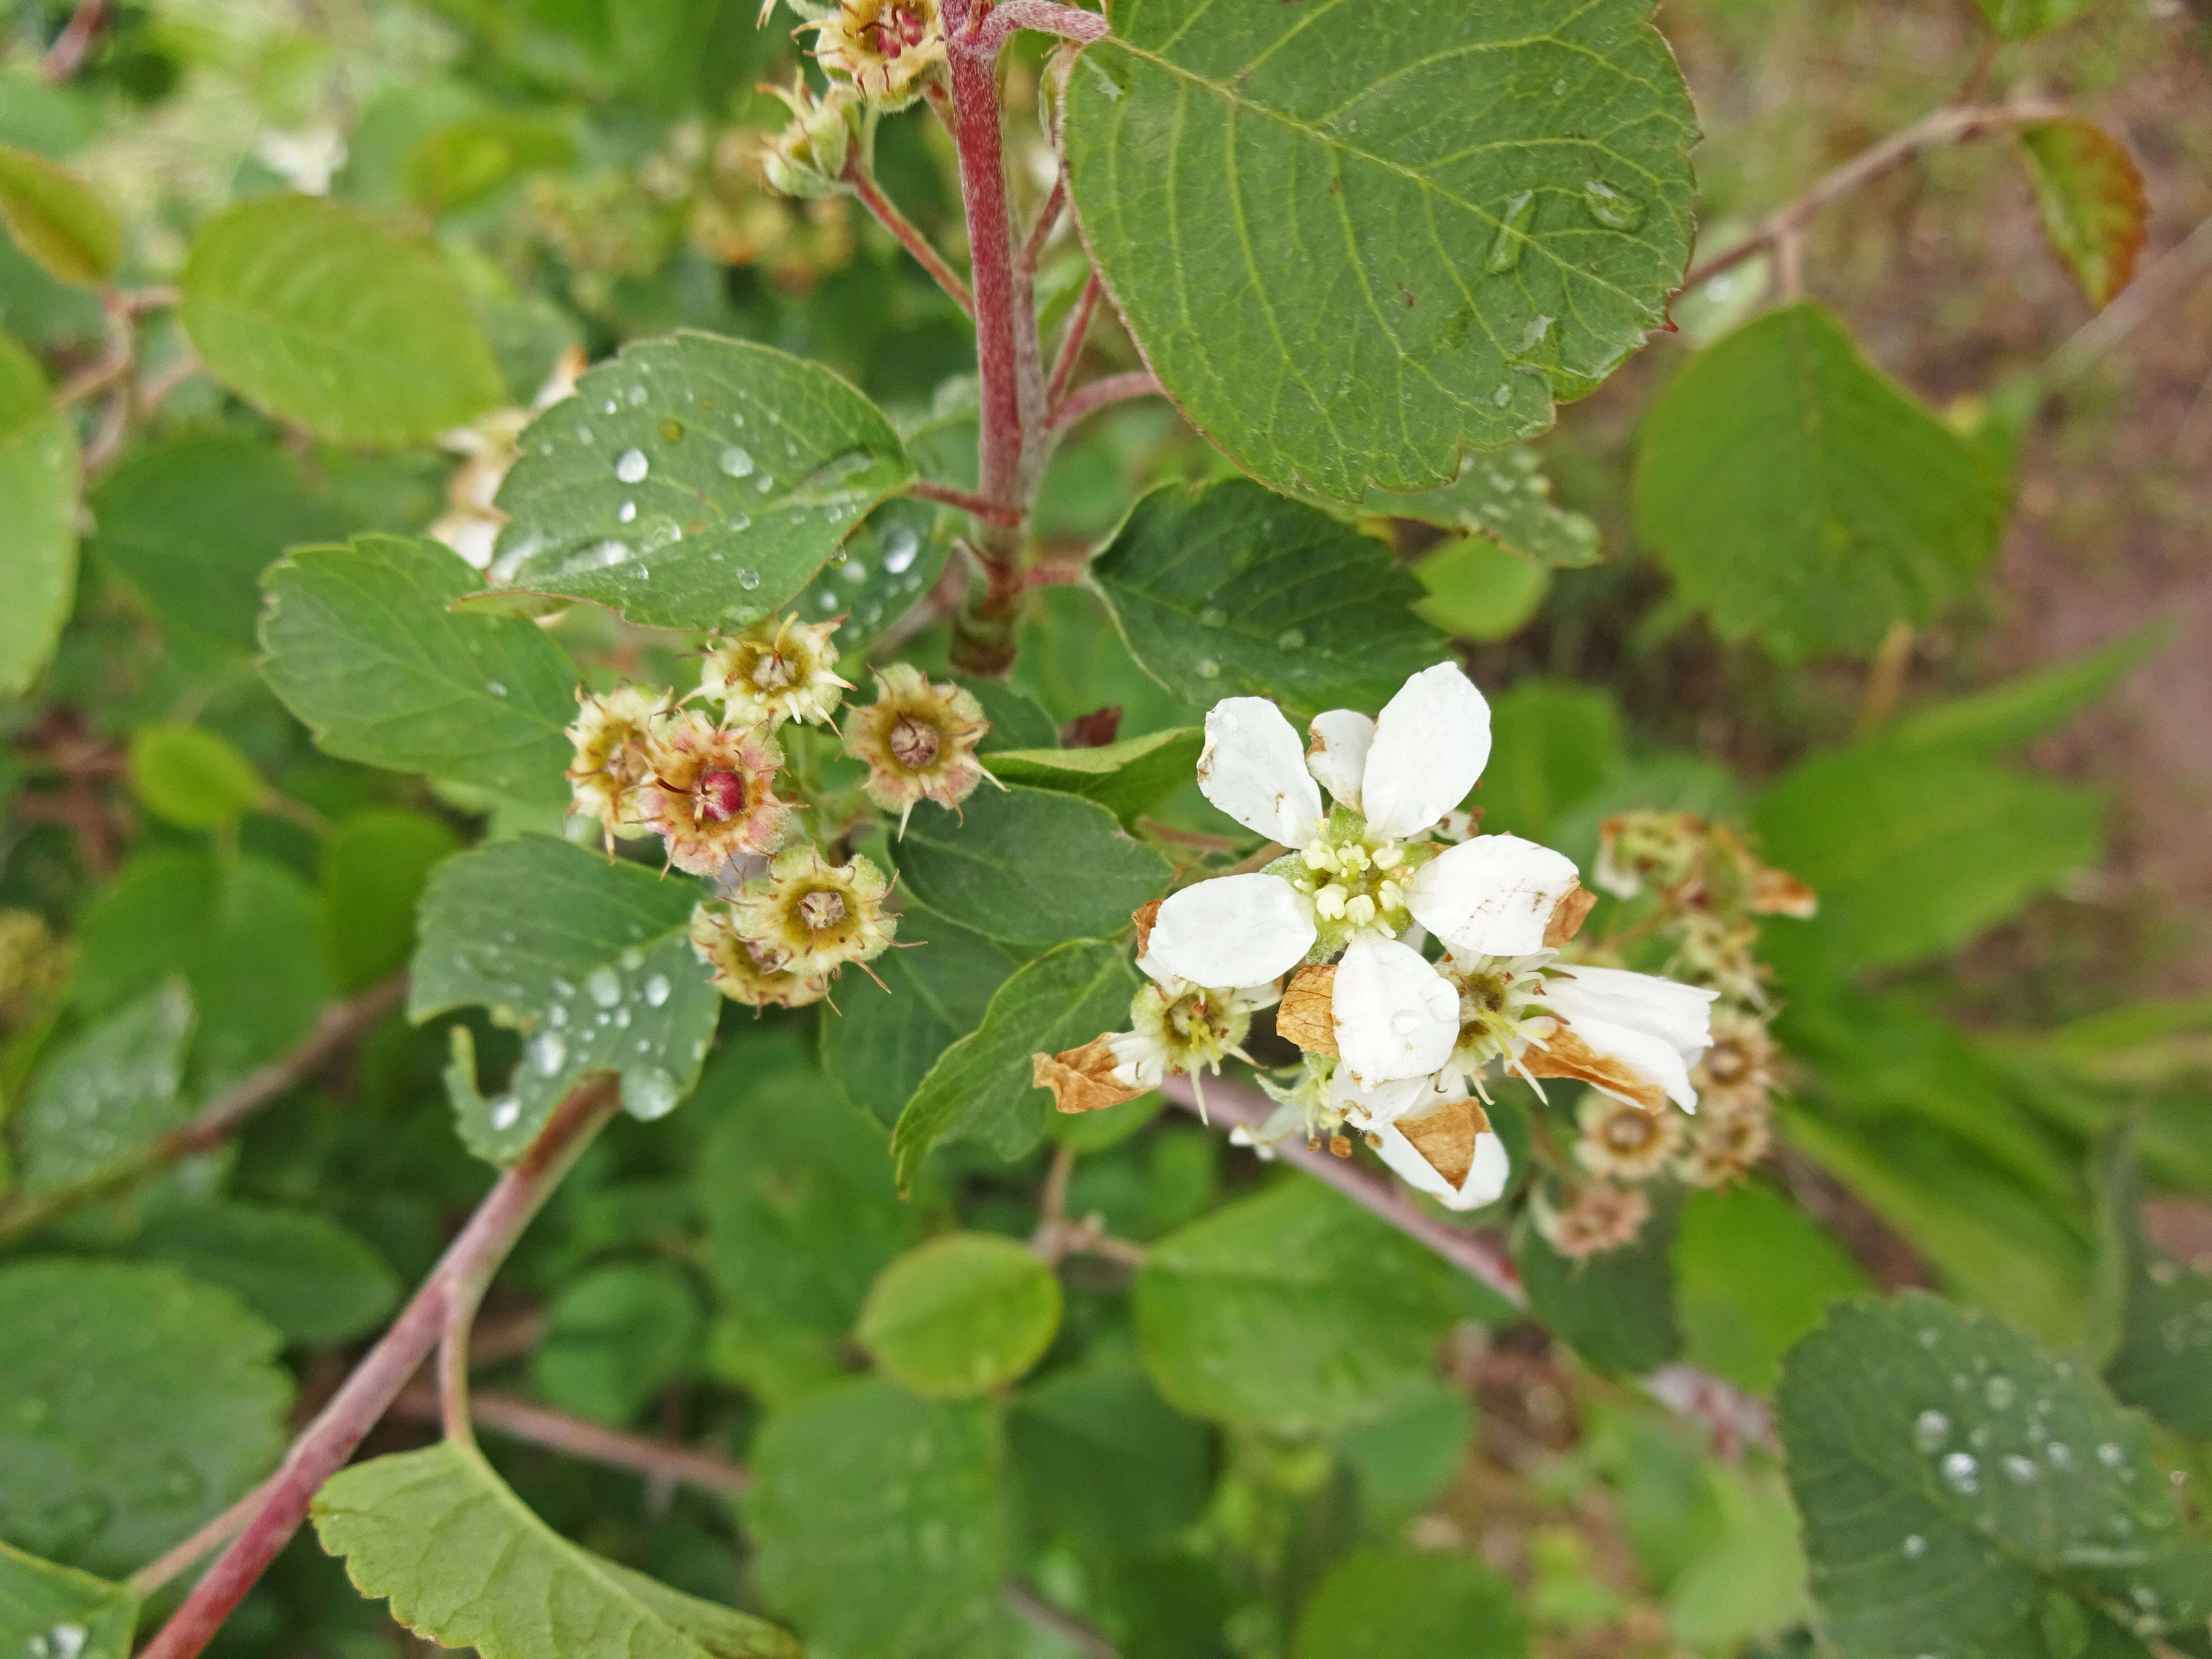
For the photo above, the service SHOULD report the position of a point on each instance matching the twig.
(67, 52)
(1047, 221)
(2166, 279)
(86, 381)
(167, 379)
(221, 1530)
(1057, 1237)
(1071, 344)
(1068, 23)
(1025, 1602)
(909, 235)
(1114, 389)
(340, 1027)
(965, 500)
(541, 1425)
(1953, 123)
(323, 1448)
(1885, 680)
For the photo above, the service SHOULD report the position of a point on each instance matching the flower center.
(822, 910)
(1352, 882)
(897, 29)
(914, 742)
(773, 671)
(1630, 1132)
(720, 795)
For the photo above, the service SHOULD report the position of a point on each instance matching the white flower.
(1443, 1144)
(1181, 1027)
(1634, 1036)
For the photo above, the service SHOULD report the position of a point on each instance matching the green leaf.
(2092, 201)
(1754, 1273)
(464, 1563)
(2019, 20)
(893, 559)
(614, 1339)
(57, 219)
(140, 1404)
(865, 1485)
(881, 1040)
(2017, 711)
(244, 931)
(695, 482)
(1030, 866)
(110, 1089)
(365, 649)
(1504, 499)
(1393, 1602)
(327, 320)
(315, 1281)
(1964, 1493)
(376, 865)
(961, 1316)
(49, 1612)
(1479, 591)
(1405, 1455)
(2162, 1357)
(1801, 497)
(38, 503)
(1916, 850)
(1017, 722)
(980, 1088)
(190, 777)
(192, 521)
(1555, 744)
(590, 958)
(1292, 1311)
(1128, 779)
(1750, 1580)
(1102, 1457)
(457, 166)
(1616, 1308)
(1345, 267)
(1231, 590)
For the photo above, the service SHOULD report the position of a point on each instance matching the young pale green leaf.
(1101, 1456)
(1030, 867)
(1394, 1603)
(57, 219)
(2021, 20)
(980, 1089)
(881, 1040)
(1129, 778)
(1801, 497)
(50, 1612)
(796, 1189)
(375, 864)
(1915, 851)
(110, 1089)
(461, 1560)
(695, 482)
(1292, 1311)
(1233, 590)
(365, 647)
(1964, 1492)
(1616, 1308)
(614, 1339)
(38, 503)
(590, 958)
(1478, 589)
(2092, 201)
(314, 1280)
(192, 778)
(1343, 266)
(1503, 498)
(244, 931)
(327, 320)
(1754, 1272)
(2017, 711)
(140, 1404)
(963, 1315)
(879, 1523)
(192, 522)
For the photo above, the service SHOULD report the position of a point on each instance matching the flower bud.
(918, 741)
(712, 792)
(779, 669)
(808, 157)
(814, 916)
(613, 736)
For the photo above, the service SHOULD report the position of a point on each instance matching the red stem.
(1048, 218)
(909, 236)
(990, 252)
(966, 501)
(323, 1448)
(1114, 389)
(1070, 347)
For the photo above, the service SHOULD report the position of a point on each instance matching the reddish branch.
(909, 235)
(1099, 394)
(966, 501)
(1071, 345)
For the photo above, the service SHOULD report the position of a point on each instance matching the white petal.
(1253, 768)
(1338, 754)
(1431, 742)
(1651, 1058)
(1486, 1177)
(1381, 1104)
(1231, 931)
(1681, 1014)
(1395, 1015)
(1492, 896)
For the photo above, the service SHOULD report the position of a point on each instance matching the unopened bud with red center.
(712, 792)
(918, 741)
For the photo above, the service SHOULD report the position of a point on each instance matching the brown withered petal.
(1145, 917)
(1567, 916)
(1565, 1054)
(1446, 1137)
(1306, 1015)
(1777, 893)
(1081, 1080)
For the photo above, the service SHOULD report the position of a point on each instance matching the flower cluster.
(878, 56)
(705, 779)
(1398, 1046)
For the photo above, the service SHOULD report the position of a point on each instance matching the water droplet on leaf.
(735, 460)
(1615, 210)
(1512, 232)
(631, 465)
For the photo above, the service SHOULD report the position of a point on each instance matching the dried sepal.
(712, 792)
(1306, 1015)
(1564, 1054)
(1568, 915)
(1082, 1079)
(918, 741)
(1446, 1137)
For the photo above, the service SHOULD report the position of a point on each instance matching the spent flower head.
(1597, 1217)
(779, 669)
(746, 972)
(814, 916)
(712, 791)
(918, 741)
(890, 50)
(1725, 1146)
(613, 738)
(1624, 1141)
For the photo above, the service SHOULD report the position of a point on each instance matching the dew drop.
(2110, 1455)
(1213, 616)
(603, 986)
(1291, 638)
(2060, 1453)
(504, 1111)
(1999, 1392)
(736, 460)
(609, 407)
(1960, 1473)
(766, 482)
(636, 396)
(1503, 396)
(1930, 1430)
(1916, 1546)
(584, 435)
(1512, 228)
(1209, 669)
(2023, 1470)
(901, 548)
(1559, 88)
(747, 578)
(656, 990)
(1404, 1022)
(1614, 208)
(631, 465)
(547, 1050)
(494, 688)
(625, 511)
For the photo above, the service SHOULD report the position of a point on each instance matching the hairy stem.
(966, 501)
(341, 1025)
(983, 197)
(325, 1444)
(540, 1425)
(1071, 344)
(1100, 394)
(909, 234)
